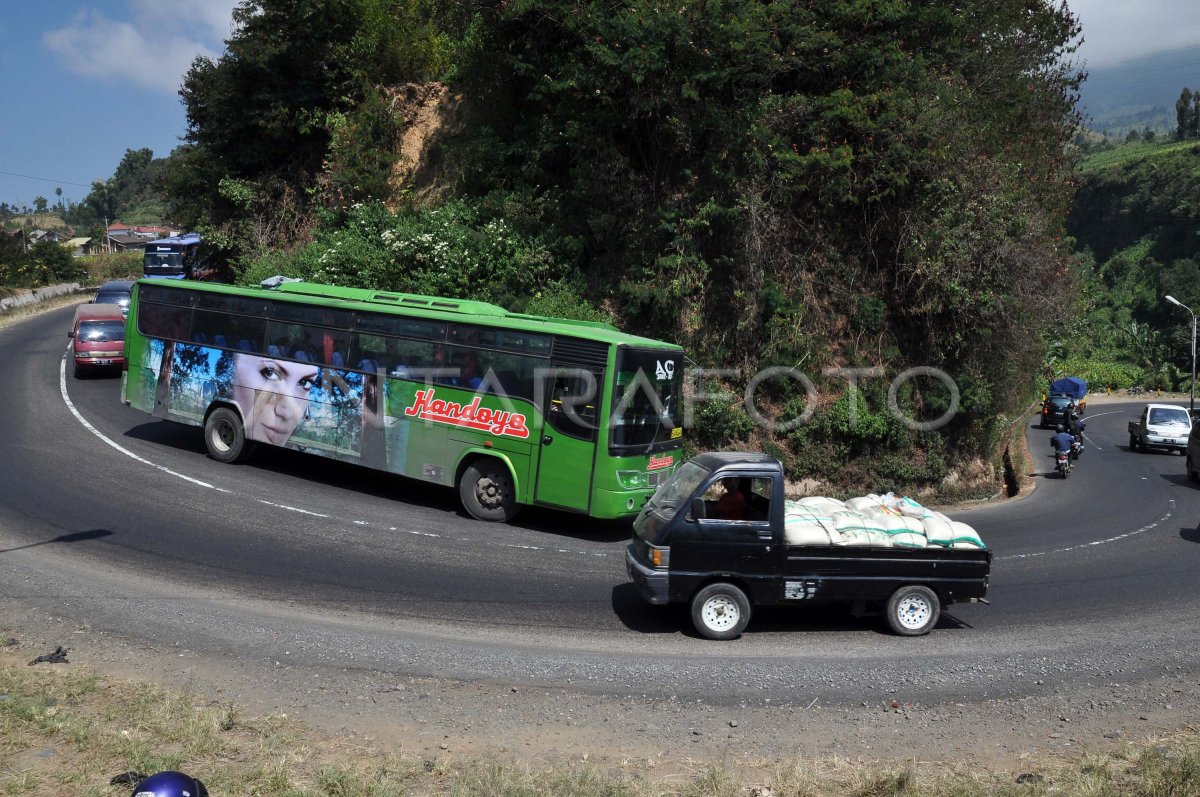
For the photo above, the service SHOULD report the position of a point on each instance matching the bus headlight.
(632, 479)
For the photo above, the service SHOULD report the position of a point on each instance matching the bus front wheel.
(225, 436)
(487, 492)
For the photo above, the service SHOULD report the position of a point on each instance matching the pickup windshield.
(667, 499)
(1169, 417)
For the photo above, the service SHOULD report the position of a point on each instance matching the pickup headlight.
(632, 479)
(659, 558)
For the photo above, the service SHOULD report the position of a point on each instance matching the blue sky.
(84, 81)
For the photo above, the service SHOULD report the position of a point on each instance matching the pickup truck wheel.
(225, 436)
(486, 491)
(913, 610)
(1133, 441)
(720, 611)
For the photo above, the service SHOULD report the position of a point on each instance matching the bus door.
(568, 445)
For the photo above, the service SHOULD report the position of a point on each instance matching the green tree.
(53, 262)
(102, 202)
(39, 204)
(296, 77)
(1183, 114)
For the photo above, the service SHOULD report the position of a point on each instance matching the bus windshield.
(163, 262)
(174, 257)
(647, 400)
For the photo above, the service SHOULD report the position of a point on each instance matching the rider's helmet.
(170, 784)
(1060, 428)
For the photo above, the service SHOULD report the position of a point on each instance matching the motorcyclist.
(1075, 427)
(1062, 441)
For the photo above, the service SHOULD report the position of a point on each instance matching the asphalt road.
(119, 521)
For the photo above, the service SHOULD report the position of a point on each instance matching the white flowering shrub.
(450, 251)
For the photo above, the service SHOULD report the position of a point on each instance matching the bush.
(112, 266)
(1100, 373)
(561, 300)
(454, 250)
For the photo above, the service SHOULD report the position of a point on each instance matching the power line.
(46, 179)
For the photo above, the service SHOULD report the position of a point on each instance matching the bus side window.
(369, 353)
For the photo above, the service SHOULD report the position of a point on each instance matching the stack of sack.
(873, 520)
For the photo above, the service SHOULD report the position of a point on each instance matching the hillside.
(805, 187)
(1138, 93)
(1135, 223)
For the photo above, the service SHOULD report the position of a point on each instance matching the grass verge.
(66, 731)
(16, 314)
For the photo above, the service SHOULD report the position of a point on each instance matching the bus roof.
(187, 239)
(422, 306)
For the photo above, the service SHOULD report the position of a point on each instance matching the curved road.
(115, 519)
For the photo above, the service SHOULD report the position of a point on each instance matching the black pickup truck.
(687, 548)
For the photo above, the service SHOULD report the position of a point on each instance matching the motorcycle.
(1062, 463)
(1077, 447)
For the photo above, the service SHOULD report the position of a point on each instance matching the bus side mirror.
(698, 512)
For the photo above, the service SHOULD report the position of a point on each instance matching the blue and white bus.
(173, 258)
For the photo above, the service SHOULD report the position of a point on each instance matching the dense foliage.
(131, 195)
(296, 94)
(1135, 219)
(817, 185)
(45, 263)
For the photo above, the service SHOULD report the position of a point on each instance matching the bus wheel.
(486, 490)
(225, 436)
(913, 610)
(720, 611)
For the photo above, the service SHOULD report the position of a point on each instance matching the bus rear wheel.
(225, 436)
(487, 492)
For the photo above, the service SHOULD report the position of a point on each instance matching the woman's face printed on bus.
(273, 395)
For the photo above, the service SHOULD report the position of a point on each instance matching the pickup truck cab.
(691, 546)
(1164, 426)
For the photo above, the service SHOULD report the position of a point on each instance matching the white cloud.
(214, 15)
(152, 50)
(1117, 30)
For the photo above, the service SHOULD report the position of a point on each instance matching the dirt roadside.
(557, 726)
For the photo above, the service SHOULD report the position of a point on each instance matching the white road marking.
(1124, 536)
(62, 386)
(1099, 415)
(290, 508)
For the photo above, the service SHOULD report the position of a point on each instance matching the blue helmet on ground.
(170, 784)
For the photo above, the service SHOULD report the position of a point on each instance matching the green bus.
(510, 409)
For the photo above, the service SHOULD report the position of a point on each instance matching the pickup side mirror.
(698, 512)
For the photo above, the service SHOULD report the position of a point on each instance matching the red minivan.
(98, 338)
